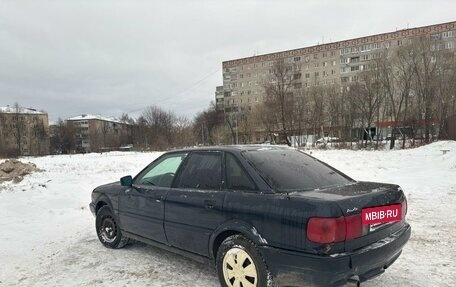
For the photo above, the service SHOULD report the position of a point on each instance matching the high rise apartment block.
(338, 63)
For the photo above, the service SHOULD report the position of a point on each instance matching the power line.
(194, 85)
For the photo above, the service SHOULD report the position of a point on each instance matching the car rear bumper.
(290, 268)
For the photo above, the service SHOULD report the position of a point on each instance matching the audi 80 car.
(262, 215)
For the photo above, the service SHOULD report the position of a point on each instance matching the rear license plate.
(381, 214)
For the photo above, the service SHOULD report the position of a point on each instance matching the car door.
(193, 208)
(141, 207)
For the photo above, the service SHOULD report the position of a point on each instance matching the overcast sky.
(114, 57)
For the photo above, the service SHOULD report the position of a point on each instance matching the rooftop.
(94, 117)
(343, 44)
(20, 110)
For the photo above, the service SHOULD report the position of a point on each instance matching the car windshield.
(287, 170)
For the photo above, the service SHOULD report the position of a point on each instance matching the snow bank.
(48, 236)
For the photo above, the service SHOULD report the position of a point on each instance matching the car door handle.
(160, 198)
(209, 203)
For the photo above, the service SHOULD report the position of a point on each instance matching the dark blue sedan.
(263, 215)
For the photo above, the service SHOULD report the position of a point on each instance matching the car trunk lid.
(353, 198)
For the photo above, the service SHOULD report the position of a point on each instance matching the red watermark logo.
(382, 214)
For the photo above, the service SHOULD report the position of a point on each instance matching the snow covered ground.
(47, 235)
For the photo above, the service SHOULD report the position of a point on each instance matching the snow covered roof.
(94, 117)
(12, 110)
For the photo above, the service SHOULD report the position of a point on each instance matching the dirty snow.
(15, 170)
(47, 231)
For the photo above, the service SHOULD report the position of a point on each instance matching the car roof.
(254, 147)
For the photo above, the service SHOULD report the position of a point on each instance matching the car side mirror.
(126, 181)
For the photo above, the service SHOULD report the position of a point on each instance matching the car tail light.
(326, 230)
(354, 226)
(338, 229)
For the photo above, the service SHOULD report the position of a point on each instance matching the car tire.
(239, 260)
(108, 229)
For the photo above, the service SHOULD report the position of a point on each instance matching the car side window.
(203, 170)
(236, 177)
(162, 172)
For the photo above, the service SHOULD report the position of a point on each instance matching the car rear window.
(287, 170)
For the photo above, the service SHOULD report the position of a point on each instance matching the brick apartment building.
(332, 64)
(96, 133)
(23, 131)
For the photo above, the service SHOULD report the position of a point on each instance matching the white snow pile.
(48, 236)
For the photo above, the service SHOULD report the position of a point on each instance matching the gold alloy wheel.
(239, 269)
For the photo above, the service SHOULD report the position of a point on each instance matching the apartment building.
(219, 98)
(23, 131)
(331, 64)
(96, 133)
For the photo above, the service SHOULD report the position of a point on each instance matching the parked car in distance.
(327, 140)
(378, 137)
(260, 214)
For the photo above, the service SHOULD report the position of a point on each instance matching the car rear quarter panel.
(280, 221)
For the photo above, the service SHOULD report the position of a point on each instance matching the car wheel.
(239, 263)
(108, 230)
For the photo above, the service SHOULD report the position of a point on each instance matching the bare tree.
(317, 101)
(205, 124)
(40, 135)
(446, 90)
(279, 98)
(19, 127)
(160, 123)
(425, 60)
(366, 95)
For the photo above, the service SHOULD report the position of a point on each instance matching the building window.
(307, 75)
(317, 74)
(448, 34)
(354, 68)
(345, 60)
(334, 62)
(315, 56)
(324, 54)
(333, 53)
(316, 65)
(449, 45)
(325, 64)
(435, 36)
(297, 59)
